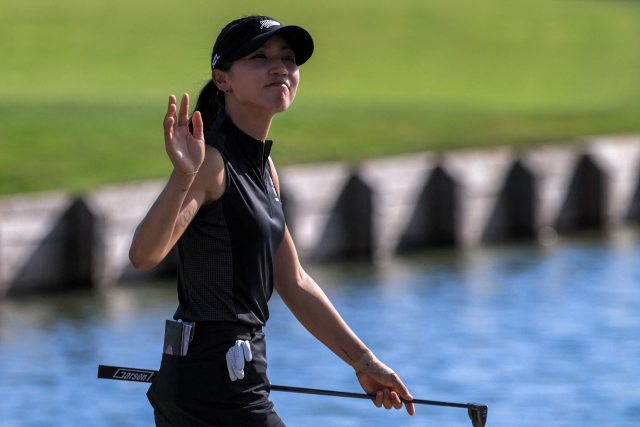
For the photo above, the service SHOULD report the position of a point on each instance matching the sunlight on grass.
(85, 84)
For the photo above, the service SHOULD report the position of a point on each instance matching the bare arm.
(185, 192)
(311, 306)
(315, 312)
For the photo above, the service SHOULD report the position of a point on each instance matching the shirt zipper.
(264, 182)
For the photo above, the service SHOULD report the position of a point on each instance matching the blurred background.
(85, 84)
(543, 330)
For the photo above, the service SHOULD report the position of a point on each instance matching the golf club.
(477, 412)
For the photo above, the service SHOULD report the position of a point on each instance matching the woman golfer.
(223, 209)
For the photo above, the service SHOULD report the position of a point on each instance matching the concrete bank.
(372, 211)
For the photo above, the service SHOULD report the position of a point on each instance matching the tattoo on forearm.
(185, 189)
(186, 216)
(346, 354)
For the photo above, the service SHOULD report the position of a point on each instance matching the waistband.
(225, 327)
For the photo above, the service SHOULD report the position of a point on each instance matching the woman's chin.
(280, 106)
(283, 108)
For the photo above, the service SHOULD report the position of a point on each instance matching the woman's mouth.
(279, 83)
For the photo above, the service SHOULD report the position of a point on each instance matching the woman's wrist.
(184, 177)
(182, 181)
(364, 361)
(186, 173)
(369, 363)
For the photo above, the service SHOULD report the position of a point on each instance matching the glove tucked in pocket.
(236, 356)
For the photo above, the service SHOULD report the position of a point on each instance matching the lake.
(543, 335)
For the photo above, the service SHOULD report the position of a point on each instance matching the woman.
(222, 208)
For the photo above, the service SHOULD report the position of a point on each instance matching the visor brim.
(299, 39)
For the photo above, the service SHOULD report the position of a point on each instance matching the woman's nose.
(279, 68)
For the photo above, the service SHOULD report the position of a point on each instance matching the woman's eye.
(289, 58)
(258, 55)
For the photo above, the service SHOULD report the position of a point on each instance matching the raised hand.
(185, 150)
(377, 378)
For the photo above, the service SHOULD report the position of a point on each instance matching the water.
(544, 336)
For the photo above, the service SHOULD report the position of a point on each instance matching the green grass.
(84, 84)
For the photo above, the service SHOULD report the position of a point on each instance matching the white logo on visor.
(215, 59)
(268, 23)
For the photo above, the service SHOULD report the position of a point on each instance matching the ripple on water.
(544, 336)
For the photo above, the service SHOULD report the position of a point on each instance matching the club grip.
(126, 374)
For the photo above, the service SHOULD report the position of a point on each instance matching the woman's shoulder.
(211, 175)
(213, 160)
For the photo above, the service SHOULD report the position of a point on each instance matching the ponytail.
(210, 102)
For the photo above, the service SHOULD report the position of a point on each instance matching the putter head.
(478, 414)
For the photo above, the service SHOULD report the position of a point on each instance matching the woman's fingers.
(395, 400)
(386, 401)
(168, 128)
(196, 120)
(379, 398)
(404, 393)
(410, 409)
(168, 124)
(402, 389)
(391, 399)
(171, 109)
(172, 101)
(184, 111)
(169, 117)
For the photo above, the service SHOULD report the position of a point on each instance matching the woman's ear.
(219, 78)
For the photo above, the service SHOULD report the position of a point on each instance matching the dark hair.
(210, 102)
(211, 98)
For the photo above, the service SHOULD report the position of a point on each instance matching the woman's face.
(265, 79)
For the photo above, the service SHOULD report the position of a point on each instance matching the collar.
(254, 150)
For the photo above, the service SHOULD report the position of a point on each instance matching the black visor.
(248, 34)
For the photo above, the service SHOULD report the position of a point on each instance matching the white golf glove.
(236, 357)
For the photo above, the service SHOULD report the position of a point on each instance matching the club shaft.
(147, 375)
(362, 396)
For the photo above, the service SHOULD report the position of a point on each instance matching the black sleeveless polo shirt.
(225, 256)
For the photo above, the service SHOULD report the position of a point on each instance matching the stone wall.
(372, 211)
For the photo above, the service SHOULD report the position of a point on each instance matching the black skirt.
(195, 390)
